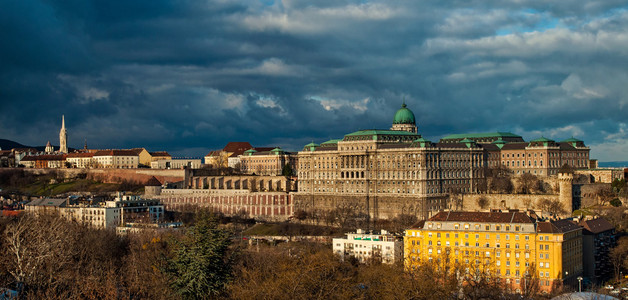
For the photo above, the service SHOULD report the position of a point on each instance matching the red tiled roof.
(137, 150)
(560, 226)
(214, 153)
(237, 147)
(115, 152)
(80, 154)
(487, 217)
(44, 157)
(515, 146)
(262, 149)
(159, 153)
(153, 182)
(418, 225)
(596, 225)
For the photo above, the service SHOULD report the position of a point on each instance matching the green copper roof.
(422, 139)
(466, 140)
(276, 150)
(312, 144)
(571, 140)
(404, 116)
(542, 139)
(331, 142)
(480, 135)
(380, 132)
(499, 141)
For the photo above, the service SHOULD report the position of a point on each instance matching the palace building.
(383, 173)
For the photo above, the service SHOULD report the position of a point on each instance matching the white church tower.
(63, 137)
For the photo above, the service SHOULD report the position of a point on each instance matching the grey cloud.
(186, 76)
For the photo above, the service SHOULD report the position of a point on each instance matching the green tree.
(287, 171)
(202, 263)
(618, 185)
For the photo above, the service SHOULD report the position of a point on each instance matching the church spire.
(63, 137)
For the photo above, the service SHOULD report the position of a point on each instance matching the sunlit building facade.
(513, 246)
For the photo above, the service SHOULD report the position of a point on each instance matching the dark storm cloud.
(189, 76)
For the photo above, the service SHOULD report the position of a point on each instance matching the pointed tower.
(63, 137)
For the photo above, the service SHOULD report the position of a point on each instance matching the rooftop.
(481, 135)
(487, 217)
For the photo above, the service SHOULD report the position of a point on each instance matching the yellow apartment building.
(514, 246)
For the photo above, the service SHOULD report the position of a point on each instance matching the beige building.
(267, 162)
(143, 156)
(220, 158)
(80, 160)
(110, 214)
(117, 159)
(95, 216)
(383, 173)
(177, 163)
(541, 157)
(159, 155)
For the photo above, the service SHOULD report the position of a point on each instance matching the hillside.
(8, 144)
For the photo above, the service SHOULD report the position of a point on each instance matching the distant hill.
(8, 145)
(613, 164)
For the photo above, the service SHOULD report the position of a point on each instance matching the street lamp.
(579, 284)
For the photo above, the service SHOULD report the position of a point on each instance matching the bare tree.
(528, 183)
(482, 202)
(605, 196)
(34, 244)
(619, 256)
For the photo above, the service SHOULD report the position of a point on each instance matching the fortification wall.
(379, 207)
(601, 175)
(505, 201)
(269, 206)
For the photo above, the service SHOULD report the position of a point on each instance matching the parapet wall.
(269, 206)
(505, 201)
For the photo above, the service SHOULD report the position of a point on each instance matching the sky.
(190, 76)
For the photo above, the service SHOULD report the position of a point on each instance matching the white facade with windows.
(365, 247)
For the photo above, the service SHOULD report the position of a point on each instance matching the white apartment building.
(110, 214)
(176, 163)
(80, 160)
(94, 215)
(117, 159)
(365, 246)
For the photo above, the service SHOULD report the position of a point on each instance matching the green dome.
(404, 116)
